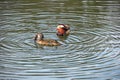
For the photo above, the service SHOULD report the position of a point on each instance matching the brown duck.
(39, 38)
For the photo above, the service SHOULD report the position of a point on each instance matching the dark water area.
(90, 52)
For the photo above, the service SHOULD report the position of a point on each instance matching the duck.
(63, 30)
(39, 38)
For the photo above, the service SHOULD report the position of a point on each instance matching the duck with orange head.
(63, 30)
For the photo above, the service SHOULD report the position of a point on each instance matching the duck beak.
(57, 29)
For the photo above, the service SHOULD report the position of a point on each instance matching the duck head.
(62, 29)
(39, 36)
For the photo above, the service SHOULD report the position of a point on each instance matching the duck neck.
(38, 39)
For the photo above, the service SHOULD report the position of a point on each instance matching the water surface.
(90, 52)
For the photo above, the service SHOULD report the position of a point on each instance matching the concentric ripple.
(90, 52)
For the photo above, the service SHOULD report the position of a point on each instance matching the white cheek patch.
(60, 26)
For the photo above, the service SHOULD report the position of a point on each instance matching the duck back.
(49, 42)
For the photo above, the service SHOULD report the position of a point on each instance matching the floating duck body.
(39, 38)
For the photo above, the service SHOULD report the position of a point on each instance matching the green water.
(90, 52)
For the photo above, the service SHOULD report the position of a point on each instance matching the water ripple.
(91, 51)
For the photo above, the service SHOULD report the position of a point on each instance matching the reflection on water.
(90, 52)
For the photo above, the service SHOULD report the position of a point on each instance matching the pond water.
(90, 52)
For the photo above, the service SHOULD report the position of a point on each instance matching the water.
(90, 52)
